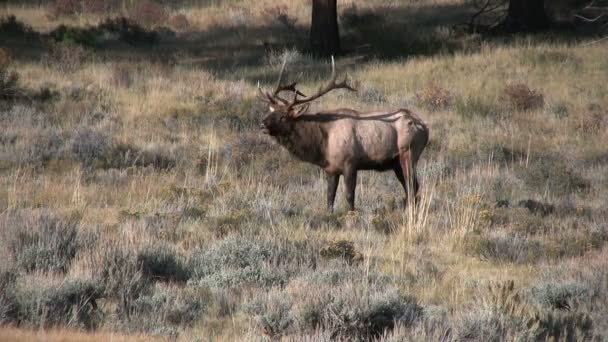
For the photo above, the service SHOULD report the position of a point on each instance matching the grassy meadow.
(139, 200)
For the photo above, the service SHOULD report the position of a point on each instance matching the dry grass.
(12, 334)
(153, 153)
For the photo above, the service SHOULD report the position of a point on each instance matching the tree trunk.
(526, 16)
(324, 33)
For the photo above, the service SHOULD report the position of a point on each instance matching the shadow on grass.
(239, 51)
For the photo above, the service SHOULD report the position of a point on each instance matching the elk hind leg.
(332, 186)
(401, 179)
(409, 176)
(350, 180)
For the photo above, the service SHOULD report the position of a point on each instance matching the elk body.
(345, 141)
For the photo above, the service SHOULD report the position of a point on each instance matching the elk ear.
(296, 113)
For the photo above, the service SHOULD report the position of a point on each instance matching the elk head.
(283, 113)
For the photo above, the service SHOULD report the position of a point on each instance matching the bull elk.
(344, 141)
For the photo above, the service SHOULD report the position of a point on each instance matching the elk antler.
(323, 90)
(274, 98)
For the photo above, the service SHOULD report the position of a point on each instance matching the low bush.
(169, 307)
(558, 296)
(72, 302)
(236, 261)
(39, 241)
(354, 309)
(11, 28)
(8, 307)
(74, 36)
(122, 278)
(272, 314)
(88, 145)
(160, 262)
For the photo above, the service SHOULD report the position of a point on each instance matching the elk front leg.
(332, 186)
(350, 179)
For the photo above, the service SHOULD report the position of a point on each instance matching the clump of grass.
(66, 8)
(475, 106)
(280, 15)
(122, 75)
(148, 13)
(434, 98)
(503, 247)
(9, 80)
(178, 22)
(40, 241)
(521, 97)
(66, 56)
(552, 174)
(342, 249)
(121, 156)
(371, 95)
(61, 8)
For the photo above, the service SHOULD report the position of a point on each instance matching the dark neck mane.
(307, 141)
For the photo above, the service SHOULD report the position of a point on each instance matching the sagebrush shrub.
(122, 278)
(88, 145)
(39, 241)
(8, 307)
(72, 302)
(558, 296)
(272, 313)
(168, 306)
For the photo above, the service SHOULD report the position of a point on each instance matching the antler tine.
(280, 80)
(327, 88)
